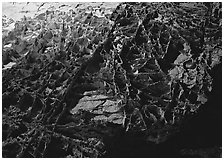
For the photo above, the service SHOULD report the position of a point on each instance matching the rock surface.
(87, 80)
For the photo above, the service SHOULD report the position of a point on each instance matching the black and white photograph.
(111, 79)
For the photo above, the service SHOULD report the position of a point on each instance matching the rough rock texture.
(84, 81)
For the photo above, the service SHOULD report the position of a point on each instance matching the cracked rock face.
(158, 70)
(87, 78)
